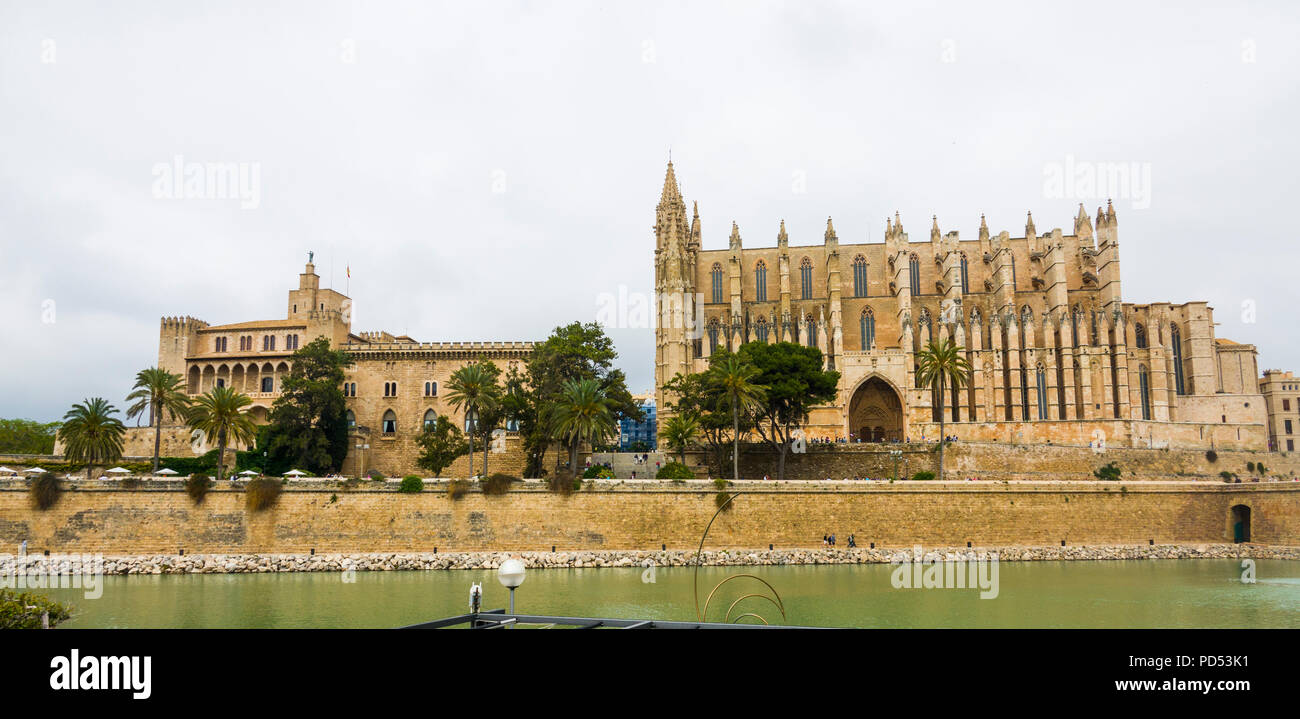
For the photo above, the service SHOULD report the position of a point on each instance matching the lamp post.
(511, 575)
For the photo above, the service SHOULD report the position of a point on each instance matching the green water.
(1166, 593)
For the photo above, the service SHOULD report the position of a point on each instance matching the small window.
(430, 420)
(1287, 423)
(268, 384)
(352, 420)
(1286, 405)
(390, 422)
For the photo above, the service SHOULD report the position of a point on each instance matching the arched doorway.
(876, 412)
(1240, 523)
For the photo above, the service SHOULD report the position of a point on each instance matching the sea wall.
(98, 517)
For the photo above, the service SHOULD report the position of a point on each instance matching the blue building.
(629, 432)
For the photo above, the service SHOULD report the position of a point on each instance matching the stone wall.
(98, 517)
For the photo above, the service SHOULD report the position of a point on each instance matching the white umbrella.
(34, 470)
(248, 473)
(6, 470)
(167, 471)
(118, 470)
(295, 473)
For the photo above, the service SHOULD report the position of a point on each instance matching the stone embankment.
(265, 563)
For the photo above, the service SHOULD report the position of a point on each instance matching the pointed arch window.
(1013, 270)
(867, 328)
(1144, 388)
(352, 420)
(1176, 346)
(760, 281)
(859, 276)
(1140, 335)
(1041, 379)
(805, 279)
(811, 323)
(760, 329)
(717, 282)
(965, 278)
(914, 274)
(390, 422)
(1024, 393)
(430, 420)
(713, 330)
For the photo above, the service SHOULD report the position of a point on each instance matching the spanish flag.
(349, 269)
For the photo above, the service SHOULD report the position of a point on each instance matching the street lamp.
(511, 575)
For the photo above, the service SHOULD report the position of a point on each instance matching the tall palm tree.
(582, 414)
(680, 431)
(91, 433)
(473, 389)
(940, 363)
(220, 413)
(160, 392)
(735, 378)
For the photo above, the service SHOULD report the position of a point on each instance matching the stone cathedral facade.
(1057, 355)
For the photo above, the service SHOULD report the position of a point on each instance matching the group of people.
(642, 459)
(828, 540)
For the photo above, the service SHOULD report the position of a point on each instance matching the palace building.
(1057, 355)
(392, 391)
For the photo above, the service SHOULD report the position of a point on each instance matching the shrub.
(197, 486)
(375, 475)
(457, 488)
(262, 493)
(1227, 476)
(598, 472)
(334, 498)
(1259, 467)
(1211, 456)
(924, 475)
(1250, 466)
(1110, 472)
(563, 483)
(45, 491)
(497, 484)
(721, 483)
(720, 501)
(23, 611)
(411, 484)
(675, 471)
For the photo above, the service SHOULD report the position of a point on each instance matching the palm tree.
(91, 434)
(473, 388)
(939, 363)
(679, 431)
(220, 413)
(157, 391)
(735, 378)
(581, 414)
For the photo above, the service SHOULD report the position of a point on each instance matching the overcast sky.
(487, 170)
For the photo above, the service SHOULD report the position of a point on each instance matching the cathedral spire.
(1029, 226)
(934, 229)
(830, 230)
(898, 222)
(984, 229)
(735, 236)
(782, 239)
(1110, 213)
(672, 193)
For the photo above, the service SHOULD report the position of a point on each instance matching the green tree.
(582, 414)
(698, 395)
(158, 392)
(91, 434)
(25, 436)
(220, 413)
(679, 432)
(473, 389)
(737, 386)
(308, 423)
(440, 445)
(938, 364)
(572, 353)
(795, 382)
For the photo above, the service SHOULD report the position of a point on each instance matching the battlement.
(181, 324)
(392, 343)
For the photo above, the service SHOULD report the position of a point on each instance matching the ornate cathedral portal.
(876, 412)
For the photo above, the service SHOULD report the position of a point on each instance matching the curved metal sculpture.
(775, 599)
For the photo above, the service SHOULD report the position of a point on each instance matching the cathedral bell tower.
(677, 240)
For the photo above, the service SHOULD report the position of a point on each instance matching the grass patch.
(45, 491)
(197, 487)
(262, 494)
(924, 475)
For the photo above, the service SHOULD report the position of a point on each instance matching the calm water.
(1167, 593)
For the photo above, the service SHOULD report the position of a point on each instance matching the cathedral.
(1056, 354)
